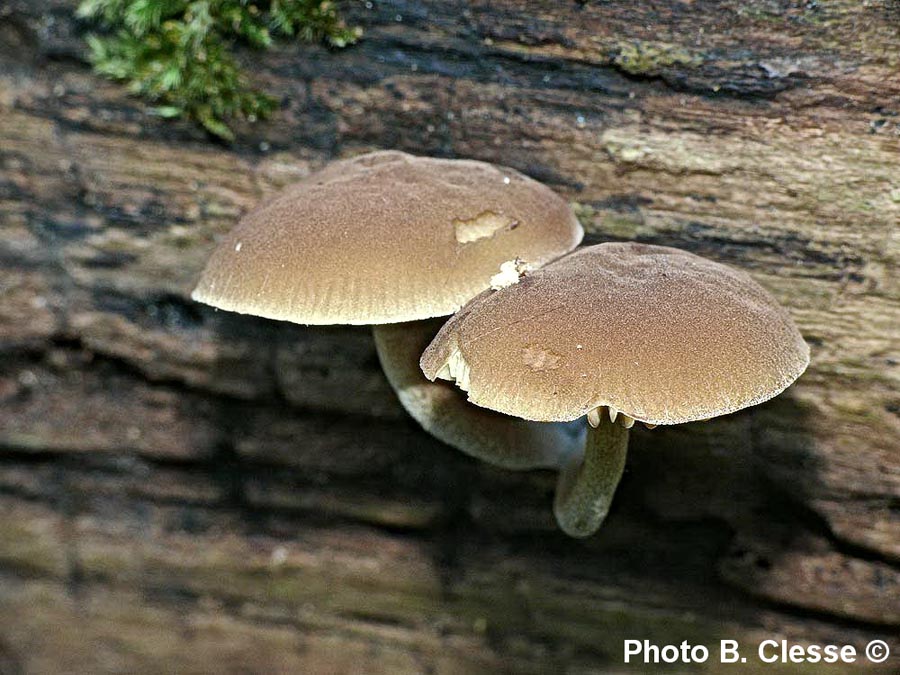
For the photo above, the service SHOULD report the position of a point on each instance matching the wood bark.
(187, 490)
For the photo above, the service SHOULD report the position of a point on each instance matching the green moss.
(760, 14)
(623, 226)
(610, 223)
(648, 58)
(585, 214)
(177, 53)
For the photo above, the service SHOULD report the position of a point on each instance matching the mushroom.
(618, 332)
(391, 239)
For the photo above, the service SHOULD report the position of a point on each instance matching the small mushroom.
(618, 332)
(392, 240)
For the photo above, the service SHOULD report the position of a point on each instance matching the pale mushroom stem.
(588, 482)
(443, 411)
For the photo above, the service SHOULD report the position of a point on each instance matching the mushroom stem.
(443, 411)
(587, 483)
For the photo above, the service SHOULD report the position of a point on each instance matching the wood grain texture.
(181, 487)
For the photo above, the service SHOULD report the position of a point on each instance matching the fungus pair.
(614, 333)
(393, 240)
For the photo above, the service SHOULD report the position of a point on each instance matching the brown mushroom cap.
(660, 334)
(385, 237)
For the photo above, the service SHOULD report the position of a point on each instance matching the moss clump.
(648, 58)
(584, 213)
(177, 53)
(611, 223)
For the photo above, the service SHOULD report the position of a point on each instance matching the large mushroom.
(618, 332)
(393, 240)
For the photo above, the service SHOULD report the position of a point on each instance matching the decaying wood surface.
(185, 490)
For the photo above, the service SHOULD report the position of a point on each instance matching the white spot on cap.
(510, 273)
(506, 180)
(485, 224)
(539, 358)
(237, 246)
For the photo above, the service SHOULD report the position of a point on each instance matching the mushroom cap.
(660, 334)
(385, 237)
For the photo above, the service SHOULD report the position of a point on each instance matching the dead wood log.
(181, 487)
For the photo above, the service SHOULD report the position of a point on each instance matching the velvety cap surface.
(660, 334)
(385, 237)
